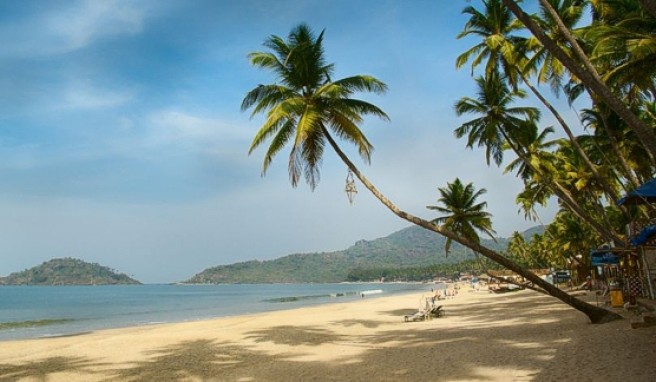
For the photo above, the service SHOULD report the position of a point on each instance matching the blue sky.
(122, 141)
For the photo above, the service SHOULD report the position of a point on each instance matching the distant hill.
(537, 230)
(409, 247)
(67, 271)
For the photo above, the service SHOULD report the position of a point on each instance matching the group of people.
(443, 294)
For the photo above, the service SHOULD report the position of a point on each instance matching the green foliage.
(305, 104)
(67, 271)
(412, 247)
(422, 273)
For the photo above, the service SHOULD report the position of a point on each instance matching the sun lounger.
(420, 315)
(437, 312)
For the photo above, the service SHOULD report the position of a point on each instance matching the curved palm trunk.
(586, 73)
(630, 175)
(596, 314)
(568, 199)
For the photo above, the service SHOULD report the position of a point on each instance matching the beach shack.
(637, 263)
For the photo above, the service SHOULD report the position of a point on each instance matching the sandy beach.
(519, 336)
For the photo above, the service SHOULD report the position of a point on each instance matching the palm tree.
(583, 69)
(494, 26)
(609, 140)
(533, 194)
(498, 125)
(546, 65)
(498, 121)
(300, 66)
(537, 152)
(518, 248)
(306, 105)
(464, 215)
(625, 41)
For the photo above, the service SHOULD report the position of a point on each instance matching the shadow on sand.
(520, 336)
(41, 370)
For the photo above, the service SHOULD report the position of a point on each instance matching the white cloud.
(85, 95)
(71, 28)
(173, 125)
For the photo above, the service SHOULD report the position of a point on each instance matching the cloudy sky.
(122, 141)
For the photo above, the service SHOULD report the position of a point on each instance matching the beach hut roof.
(603, 257)
(644, 194)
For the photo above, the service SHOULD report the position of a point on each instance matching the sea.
(52, 311)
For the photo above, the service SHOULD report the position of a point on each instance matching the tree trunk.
(629, 174)
(587, 74)
(596, 314)
(566, 197)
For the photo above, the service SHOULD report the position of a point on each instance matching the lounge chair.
(437, 312)
(420, 315)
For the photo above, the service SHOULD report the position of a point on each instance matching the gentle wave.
(34, 323)
(310, 297)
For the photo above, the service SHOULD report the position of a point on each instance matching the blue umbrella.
(644, 194)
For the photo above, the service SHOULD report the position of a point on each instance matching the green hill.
(537, 230)
(67, 271)
(407, 248)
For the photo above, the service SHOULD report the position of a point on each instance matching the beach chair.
(420, 315)
(437, 312)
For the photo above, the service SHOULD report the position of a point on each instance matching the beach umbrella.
(644, 194)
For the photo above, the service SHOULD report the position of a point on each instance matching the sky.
(122, 141)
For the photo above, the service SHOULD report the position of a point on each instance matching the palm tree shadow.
(295, 336)
(366, 323)
(196, 360)
(41, 370)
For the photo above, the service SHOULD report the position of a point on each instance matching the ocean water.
(45, 311)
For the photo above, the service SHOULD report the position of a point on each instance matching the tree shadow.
(500, 339)
(293, 335)
(371, 324)
(41, 370)
(201, 359)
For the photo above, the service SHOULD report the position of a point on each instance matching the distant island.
(405, 255)
(67, 271)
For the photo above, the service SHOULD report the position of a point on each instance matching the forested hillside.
(67, 271)
(411, 247)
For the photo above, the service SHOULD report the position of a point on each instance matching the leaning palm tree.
(494, 24)
(498, 125)
(497, 48)
(580, 66)
(497, 121)
(464, 215)
(306, 105)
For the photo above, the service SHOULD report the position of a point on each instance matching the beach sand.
(518, 336)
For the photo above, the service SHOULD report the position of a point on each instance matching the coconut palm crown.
(305, 105)
(464, 215)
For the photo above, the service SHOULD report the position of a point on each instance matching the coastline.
(51, 311)
(518, 336)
